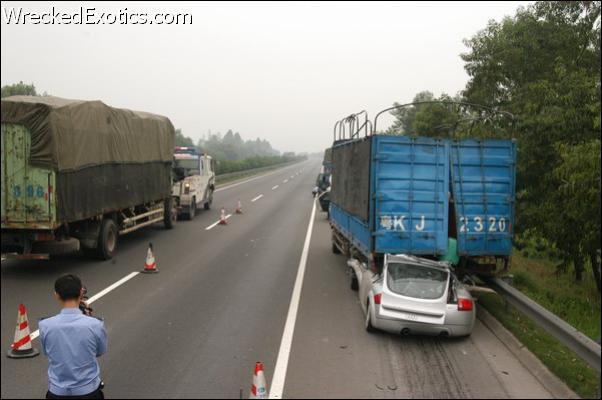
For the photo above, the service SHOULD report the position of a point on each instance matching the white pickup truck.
(194, 181)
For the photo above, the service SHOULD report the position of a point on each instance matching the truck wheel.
(207, 205)
(170, 213)
(192, 210)
(335, 249)
(107, 239)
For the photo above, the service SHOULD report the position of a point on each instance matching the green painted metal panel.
(28, 199)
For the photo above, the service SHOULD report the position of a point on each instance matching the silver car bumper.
(462, 326)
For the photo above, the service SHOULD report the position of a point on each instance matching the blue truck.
(417, 195)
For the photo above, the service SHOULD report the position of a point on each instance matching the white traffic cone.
(21, 347)
(150, 265)
(222, 218)
(239, 207)
(258, 388)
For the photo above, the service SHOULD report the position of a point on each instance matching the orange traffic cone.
(239, 207)
(258, 388)
(21, 347)
(222, 218)
(150, 265)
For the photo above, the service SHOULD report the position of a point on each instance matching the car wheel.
(369, 327)
(355, 286)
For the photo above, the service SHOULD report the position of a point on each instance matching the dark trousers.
(97, 394)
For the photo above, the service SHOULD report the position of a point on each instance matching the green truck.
(78, 174)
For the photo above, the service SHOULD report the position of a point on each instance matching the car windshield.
(416, 281)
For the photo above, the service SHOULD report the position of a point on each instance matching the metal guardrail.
(582, 345)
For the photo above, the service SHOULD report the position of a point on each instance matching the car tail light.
(464, 304)
(377, 298)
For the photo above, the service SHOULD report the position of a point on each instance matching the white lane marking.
(97, 296)
(291, 318)
(251, 179)
(257, 198)
(275, 187)
(213, 225)
(284, 181)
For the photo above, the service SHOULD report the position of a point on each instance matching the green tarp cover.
(68, 135)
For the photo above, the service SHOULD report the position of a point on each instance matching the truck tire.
(207, 204)
(170, 213)
(335, 249)
(107, 239)
(191, 210)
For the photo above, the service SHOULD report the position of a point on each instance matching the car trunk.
(415, 293)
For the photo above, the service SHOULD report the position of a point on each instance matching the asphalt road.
(220, 303)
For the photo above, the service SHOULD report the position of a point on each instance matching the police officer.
(72, 341)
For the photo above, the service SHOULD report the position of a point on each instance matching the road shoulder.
(550, 381)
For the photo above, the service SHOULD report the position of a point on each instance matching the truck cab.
(194, 181)
(323, 189)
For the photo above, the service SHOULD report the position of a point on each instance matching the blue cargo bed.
(416, 185)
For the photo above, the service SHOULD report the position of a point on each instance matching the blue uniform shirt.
(72, 341)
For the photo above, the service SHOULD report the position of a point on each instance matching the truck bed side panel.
(354, 229)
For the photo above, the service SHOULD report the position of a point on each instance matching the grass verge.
(578, 304)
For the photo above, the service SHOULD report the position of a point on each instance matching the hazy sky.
(284, 72)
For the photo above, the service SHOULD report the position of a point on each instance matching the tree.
(543, 65)
(19, 89)
(404, 117)
(181, 140)
(446, 118)
(577, 202)
(232, 147)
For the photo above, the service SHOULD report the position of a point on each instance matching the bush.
(227, 166)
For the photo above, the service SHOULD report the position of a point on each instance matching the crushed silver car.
(413, 295)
